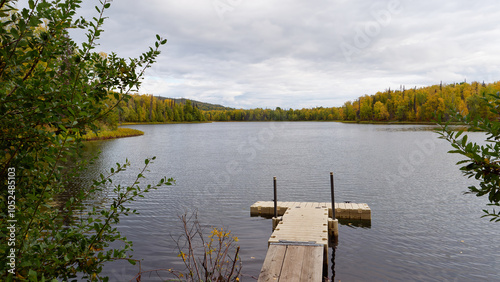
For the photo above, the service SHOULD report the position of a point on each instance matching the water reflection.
(333, 249)
(402, 127)
(415, 127)
(353, 223)
(78, 180)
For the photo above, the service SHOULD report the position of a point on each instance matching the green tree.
(481, 161)
(366, 112)
(53, 90)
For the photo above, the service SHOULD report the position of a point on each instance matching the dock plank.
(271, 270)
(312, 265)
(292, 264)
(289, 263)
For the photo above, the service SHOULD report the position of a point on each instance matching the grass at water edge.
(112, 134)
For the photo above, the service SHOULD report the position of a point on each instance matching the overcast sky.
(301, 54)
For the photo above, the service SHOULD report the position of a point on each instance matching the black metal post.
(333, 195)
(275, 199)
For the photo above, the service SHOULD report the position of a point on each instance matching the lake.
(423, 228)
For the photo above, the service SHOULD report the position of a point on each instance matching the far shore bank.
(120, 132)
(342, 121)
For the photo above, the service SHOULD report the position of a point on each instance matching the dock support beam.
(333, 227)
(333, 195)
(275, 198)
(333, 223)
(276, 218)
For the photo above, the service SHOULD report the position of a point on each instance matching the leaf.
(32, 275)
(464, 140)
(132, 261)
(62, 127)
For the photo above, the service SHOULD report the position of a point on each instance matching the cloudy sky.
(301, 54)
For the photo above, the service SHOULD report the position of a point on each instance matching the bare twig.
(216, 263)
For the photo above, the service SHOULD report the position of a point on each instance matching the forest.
(401, 105)
(147, 108)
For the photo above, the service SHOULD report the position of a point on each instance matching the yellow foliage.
(182, 255)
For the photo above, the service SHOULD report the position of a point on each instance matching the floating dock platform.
(342, 210)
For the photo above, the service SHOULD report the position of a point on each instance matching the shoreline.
(167, 122)
(112, 134)
(341, 121)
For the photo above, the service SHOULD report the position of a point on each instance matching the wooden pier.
(298, 247)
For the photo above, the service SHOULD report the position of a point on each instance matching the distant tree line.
(422, 104)
(405, 105)
(147, 108)
(411, 105)
(278, 114)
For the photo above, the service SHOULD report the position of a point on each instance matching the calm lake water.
(423, 228)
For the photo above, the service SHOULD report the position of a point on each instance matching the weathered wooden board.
(271, 270)
(292, 263)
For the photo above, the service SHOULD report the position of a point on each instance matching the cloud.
(296, 54)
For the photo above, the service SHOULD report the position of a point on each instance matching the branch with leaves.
(481, 162)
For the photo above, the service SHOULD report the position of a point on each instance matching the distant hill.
(200, 105)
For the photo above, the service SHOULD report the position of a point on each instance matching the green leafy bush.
(52, 91)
